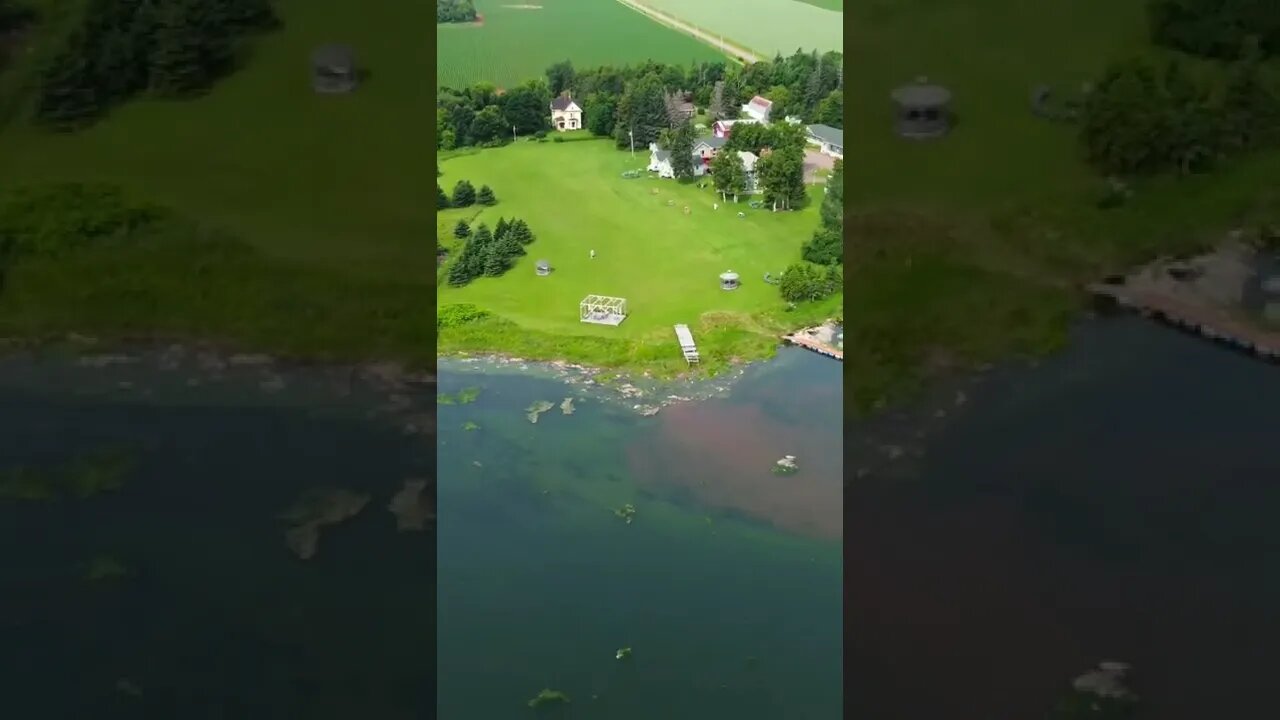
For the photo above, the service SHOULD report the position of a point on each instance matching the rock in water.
(566, 407)
(409, 507)
(315, 509)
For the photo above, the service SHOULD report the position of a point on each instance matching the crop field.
(519, 39)
(765, 26)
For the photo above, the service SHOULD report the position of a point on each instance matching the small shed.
(922, 110)
(333, 69)
(542, 267)
(729, 280)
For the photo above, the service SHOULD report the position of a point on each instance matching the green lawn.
(331, 191)
(998, 219)
(665, 263)
(766, 26)
(518, 43)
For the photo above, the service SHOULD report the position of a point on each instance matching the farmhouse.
(722, 128)
(566, 113)
(758, 109)
(706, 148)
(660, 162)
(830, 141)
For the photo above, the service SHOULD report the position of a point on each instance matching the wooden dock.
(1214, 325)
(801, 339)
(685, 338)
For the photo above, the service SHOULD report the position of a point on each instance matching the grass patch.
(664, 262)
(998, 220)
(514, 44)
(299, 223)
(767, 26)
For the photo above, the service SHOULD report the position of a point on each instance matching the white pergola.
(603, 310)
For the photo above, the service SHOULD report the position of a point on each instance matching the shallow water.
(214, 617)
(1116, 502)
(727, 585)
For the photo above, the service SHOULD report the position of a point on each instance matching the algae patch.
(313, 510)
(536, 409)
(81, 477)
(548, 697)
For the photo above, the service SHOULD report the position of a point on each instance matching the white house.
(749, 160)
(758, 109)
(660, 162)
(566, 114)
(830, 141)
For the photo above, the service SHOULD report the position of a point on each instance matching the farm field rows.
(518, 41)
(765, 26)
(664, 262)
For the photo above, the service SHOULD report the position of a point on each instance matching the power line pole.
(513, 133)
(632, 134)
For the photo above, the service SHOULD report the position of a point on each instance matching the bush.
(53, 219)
(462, 229)
(464, 194)
(448, 316)
(485, 196)
(540, 134)
(1215, 28)
(803, 282)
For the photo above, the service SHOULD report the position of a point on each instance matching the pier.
(1206, 322)
(685, 338)
(808, 342)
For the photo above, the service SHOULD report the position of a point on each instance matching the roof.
(713, 142)
(827, 134)
(563, 102)
(661, 155)
(922, 95)
(340, 57)
(761, 101)
(729, 275)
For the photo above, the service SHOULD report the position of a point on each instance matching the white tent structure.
(603, 310)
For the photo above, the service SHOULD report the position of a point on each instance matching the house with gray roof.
(707, 147)
(660, 162)
(566, 113)
(830, 141)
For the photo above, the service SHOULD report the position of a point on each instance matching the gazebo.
(729, 280)
(542, 267)
(333, 69)
(922, 110)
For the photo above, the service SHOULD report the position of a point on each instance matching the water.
(1117, 502)
(727, 585)
(215, 617)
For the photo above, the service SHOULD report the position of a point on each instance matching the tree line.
(826, 247)
(455, 11)
(122, 48)
(1142, 117)
(638, 103)
(464, 195)
(1215, 28)
(489, 253)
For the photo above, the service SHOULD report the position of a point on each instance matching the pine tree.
(178, 57)
(716, 109)
(442, 200)
(522, 232)
(67, 95)
(462, 229)
(680, 144)
(495, 262)
(501, 228)
(464, 194)
(485, 196)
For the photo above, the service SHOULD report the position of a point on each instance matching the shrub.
(458, 314)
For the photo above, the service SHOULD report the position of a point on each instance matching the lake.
(174, 595)
(1118, 501)
(726, 586)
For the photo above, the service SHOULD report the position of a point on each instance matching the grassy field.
(766, 26)
(664, 262)
(999, 219)
(327, 192)
(837, 5)
(516, 43)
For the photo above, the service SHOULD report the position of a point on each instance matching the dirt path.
(711, 39)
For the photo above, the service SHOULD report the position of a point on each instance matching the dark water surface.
(727, 585)
(1120, 501)
(214, 618)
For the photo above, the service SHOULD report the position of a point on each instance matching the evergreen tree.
(522, 232)
(68, 97)
(462, 229)
(601, 112)
(495, 261)
(501, 228)
(442, 200)
(716, 111)
(641, 111)
(485, 196)
(180, 53)
(830, 110)
(464, 194)
(560, 77)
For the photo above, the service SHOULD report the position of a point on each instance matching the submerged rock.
(536, 409)
(566, 406)
(626, 512)
(315, 509)
(411, 510)
(786, 466)
(623, 653)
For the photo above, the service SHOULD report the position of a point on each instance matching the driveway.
(817, 166)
